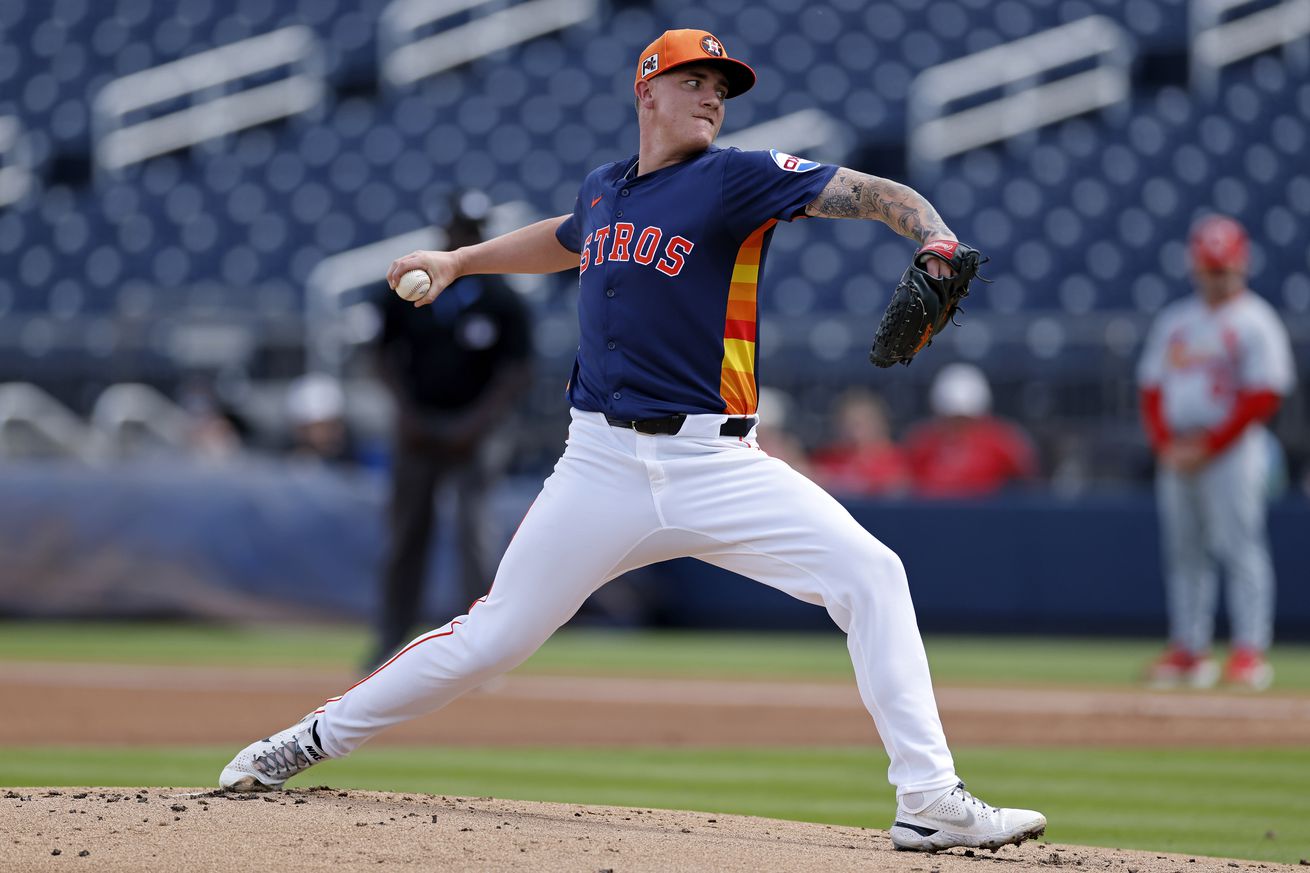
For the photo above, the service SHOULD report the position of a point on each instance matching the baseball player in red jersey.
(661, 460)
(1215, 368)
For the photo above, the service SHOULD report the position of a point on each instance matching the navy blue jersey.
(670, 264)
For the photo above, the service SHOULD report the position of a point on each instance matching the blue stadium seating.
(1081, 217)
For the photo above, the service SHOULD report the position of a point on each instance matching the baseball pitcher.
(661, 460)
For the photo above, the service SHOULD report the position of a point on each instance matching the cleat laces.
(282, 762)
(968, 799)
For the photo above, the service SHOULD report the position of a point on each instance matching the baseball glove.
(923, 305)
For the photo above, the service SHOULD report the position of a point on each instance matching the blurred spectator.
(1215, 368)
(137, 420)
(773, 433)
(456, 369)
(216, 432)
(316, 407)
(965, 451)
(863, 460)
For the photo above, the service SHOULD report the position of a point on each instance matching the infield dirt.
(322, 830)
(54, 703)
(310, 830)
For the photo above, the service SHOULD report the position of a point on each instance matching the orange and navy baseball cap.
(677, 48)
(1219, 243)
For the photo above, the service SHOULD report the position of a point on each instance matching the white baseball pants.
(619, 500)
(1219, 513)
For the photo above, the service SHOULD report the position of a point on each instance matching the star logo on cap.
(712, 46)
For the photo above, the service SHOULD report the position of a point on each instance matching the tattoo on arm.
(900, 207)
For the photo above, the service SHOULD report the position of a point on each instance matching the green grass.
(1221, 802)
(180, 643)
(996, 660)
(1216, 802)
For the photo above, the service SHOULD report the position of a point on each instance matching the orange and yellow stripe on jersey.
(737, 382)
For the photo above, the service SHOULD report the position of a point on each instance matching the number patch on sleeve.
(791, 163)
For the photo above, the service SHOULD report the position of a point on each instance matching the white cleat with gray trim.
(957, 818)
(265, 765)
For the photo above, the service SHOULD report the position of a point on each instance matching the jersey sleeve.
(1266, 363)
(1151, 404)
(761, 185)
(569, 232)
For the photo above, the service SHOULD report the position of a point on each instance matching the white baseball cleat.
(957, 818)
(265, 765)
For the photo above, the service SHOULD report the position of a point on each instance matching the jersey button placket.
(610, 294)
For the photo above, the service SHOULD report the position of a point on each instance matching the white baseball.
(414, 285)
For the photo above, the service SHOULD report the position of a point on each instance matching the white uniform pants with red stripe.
(619, 500)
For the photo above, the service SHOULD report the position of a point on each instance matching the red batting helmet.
(1219, 243)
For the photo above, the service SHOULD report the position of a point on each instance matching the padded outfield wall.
(267, 541)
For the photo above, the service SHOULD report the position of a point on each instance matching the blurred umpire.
(457, 369)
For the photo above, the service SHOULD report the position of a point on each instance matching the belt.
(671, 424)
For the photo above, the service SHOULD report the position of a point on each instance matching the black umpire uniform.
(456, 369)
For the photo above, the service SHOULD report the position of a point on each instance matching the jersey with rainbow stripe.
(670, 264)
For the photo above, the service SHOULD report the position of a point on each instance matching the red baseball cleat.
(1247, 668)
(1179, 668)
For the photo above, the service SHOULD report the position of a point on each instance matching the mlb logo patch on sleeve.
(791, 163)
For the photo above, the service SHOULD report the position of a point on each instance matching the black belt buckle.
(668, 425)
(736, 427)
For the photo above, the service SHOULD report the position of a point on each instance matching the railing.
(130, 417)
(15, 173)
(1217, 43)
(1031, 98)
(405, 57)
(219, 103)
(34, 423)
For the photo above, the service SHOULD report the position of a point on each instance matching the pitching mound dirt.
(323, 830)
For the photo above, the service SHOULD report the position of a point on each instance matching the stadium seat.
(1085, 216)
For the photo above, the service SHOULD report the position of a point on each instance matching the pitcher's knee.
(875, 571)
(880, 564)
(489, 654)
(495, 657)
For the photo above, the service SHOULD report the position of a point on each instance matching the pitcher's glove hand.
(922, 304)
